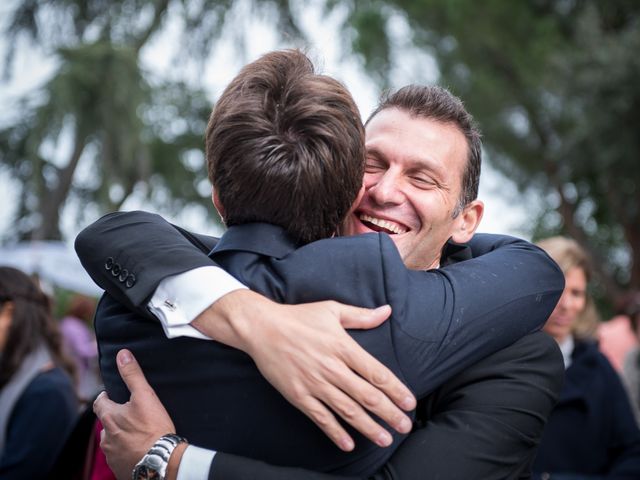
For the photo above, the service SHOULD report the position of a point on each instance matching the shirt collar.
(454, 252)
(566, 347)
(273, 241)
(260, 238)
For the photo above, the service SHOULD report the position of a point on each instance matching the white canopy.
(54, 262)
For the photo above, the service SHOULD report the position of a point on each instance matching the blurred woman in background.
(38, 406)
(591, 433)
(631, 368)
(80, 344)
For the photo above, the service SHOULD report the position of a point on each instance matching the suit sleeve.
(457, 315)
(129, 253)
(494, 413)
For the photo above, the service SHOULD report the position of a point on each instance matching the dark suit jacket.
(439, 328)
(592, 430)
(485, 423)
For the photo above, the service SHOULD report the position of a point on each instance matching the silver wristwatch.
(153, 465)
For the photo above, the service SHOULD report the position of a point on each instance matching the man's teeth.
(386, 224)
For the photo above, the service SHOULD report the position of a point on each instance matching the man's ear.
(218, 204)
(468, 221)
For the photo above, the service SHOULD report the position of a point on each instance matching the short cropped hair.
(437, 103)
(285, 145)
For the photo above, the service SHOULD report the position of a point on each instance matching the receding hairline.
(413, 115)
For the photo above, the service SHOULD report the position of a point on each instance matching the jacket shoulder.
(348, 269)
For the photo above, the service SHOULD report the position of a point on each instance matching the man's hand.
(131, 429)
(305, 353)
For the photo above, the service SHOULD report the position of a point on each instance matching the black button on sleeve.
(131, 281)
(124, 273)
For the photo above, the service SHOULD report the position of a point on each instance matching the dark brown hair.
(31, 324)
(286, 146)
(82, 307)
(437, 103)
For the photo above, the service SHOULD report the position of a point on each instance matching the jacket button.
(123, 274)
(131, 281)
(109, 263)
(115, 270)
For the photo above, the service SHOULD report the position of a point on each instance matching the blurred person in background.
(80, 344)
(631, 368)
(591, 433)
(617, 337)
(38, 406)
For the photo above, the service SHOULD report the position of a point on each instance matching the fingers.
(378, 379)
(325, 420)
(362, 318)
(102, 407)
(131, 372)
(353, 413)
(355, 384)
(99, 403)
(369, 399)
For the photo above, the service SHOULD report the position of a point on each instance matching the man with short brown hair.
(423, 348)
(297, 136)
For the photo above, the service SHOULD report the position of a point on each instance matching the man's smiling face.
(413, 182)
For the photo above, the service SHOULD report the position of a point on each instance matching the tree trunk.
(51, 204)
(633, 237)
(567, 211)
(159, 10)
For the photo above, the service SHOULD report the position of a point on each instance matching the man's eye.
(372, 166)
(423, 181)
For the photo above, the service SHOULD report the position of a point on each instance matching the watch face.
(143, 472)
(153, 465)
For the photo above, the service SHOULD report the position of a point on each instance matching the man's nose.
(386, 190)
(565, 301)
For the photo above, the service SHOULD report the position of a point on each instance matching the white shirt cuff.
(179, 299)
(195, 463)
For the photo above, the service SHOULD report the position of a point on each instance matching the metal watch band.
(154, 463)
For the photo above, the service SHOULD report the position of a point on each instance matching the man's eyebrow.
(376, 154)
(423, 163)
(415, 163)
(373, 151)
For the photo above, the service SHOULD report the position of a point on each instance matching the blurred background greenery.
(554, 85)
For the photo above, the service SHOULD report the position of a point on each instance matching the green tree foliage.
(554, 86)
(552, 83)
(101, 113)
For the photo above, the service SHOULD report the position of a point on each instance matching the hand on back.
(306, 354)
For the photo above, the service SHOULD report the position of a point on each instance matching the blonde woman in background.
(591, 433)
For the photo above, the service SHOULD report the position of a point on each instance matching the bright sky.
(505, 208)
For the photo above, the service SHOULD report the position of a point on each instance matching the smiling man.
(421, 177)
(420, 186)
